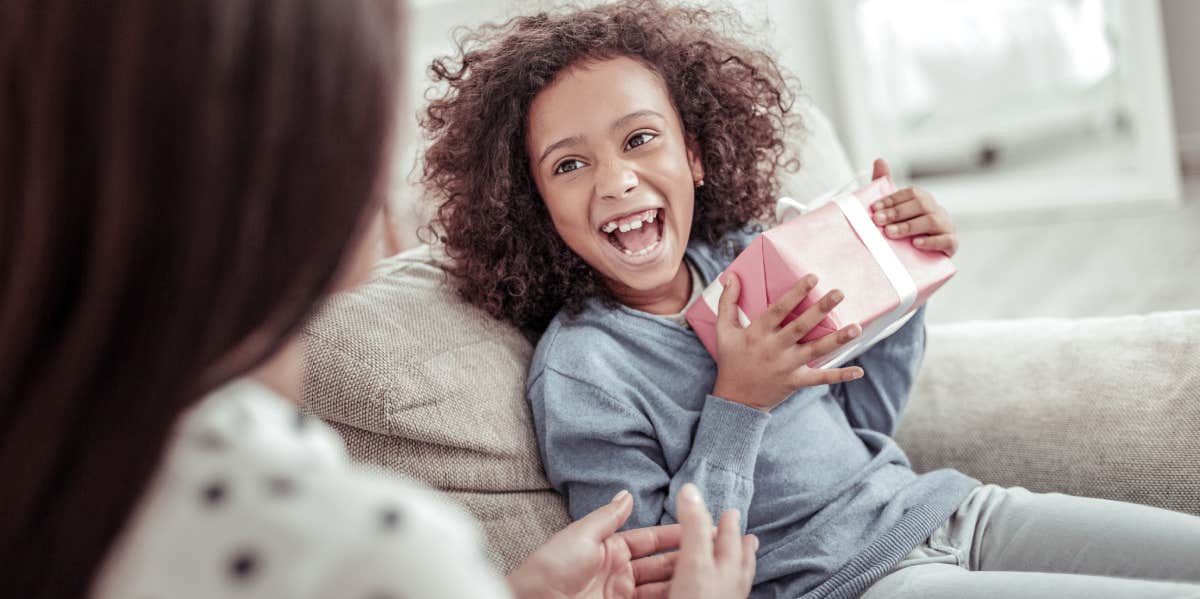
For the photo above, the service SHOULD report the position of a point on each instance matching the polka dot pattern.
(213, 494)
(257, 499)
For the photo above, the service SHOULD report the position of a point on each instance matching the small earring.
(700, 183)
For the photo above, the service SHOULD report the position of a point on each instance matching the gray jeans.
(1009, 542)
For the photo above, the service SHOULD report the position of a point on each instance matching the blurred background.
(1062, 135)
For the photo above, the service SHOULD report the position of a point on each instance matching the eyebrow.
(617, 124)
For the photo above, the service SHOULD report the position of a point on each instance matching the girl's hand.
(912, 212)
(761, 365)
(706, 569)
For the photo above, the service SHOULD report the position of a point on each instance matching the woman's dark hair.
(179, 179)
(506, 256)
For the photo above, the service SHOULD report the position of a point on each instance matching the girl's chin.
(648, 278)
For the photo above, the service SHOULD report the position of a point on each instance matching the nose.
(615, 179)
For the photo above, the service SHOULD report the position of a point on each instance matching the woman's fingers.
(749, 558)
(778, 310)
(797, 329)
(602, 522)
(729, 537)
(654, 590)
(652, 539)
(696, 542)
(655, 568)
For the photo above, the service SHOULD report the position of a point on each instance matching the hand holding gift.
(885, 275)
(912, 212)
(762, 364)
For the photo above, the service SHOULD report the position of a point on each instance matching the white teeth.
(645, 217)
(641, 252)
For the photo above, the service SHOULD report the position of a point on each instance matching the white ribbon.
(892, 268)
(787, 208)
(712, 297)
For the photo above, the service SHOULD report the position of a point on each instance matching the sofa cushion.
(423, 384)
(1101, 407)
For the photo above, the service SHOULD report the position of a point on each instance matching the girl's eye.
(639, 139)
(567, 166)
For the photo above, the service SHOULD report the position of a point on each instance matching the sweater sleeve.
(594, 445)
(876, 401)
(430, 548)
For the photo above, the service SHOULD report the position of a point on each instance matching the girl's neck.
(670, 298)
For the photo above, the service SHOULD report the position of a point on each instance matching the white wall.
(799, 33)
(1181, 24)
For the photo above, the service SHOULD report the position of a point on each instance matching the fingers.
(654, 590)
(604, 521)
(696, 541)
(828, 343)
(905, 204)
(898, 197)
(652, 539)
(946, 242)
(911, 212)
(926, 223)
(729, 537)
(749, 558)
(655, 568)
(797, 329)
(880, 169)
(807, 376)
(779, 309)
(727, 310)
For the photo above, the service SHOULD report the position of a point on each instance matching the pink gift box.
(884, 280)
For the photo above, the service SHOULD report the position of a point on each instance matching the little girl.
(595, 170)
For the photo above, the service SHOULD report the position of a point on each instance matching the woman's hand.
(590, 559)
(912, 212)
(762, 364)
(708, 569)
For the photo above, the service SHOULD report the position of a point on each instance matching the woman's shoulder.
(253, 494)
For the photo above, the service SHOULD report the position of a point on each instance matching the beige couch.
(425, 385)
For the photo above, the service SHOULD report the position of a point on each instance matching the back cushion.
(425, 385)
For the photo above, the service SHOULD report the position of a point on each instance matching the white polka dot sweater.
(253, 499)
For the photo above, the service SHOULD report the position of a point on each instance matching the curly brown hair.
(506, 257)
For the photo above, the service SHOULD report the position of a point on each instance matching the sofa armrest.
(1101, 407)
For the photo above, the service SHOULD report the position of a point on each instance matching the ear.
(694, 161)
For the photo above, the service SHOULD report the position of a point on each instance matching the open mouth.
(635, 235)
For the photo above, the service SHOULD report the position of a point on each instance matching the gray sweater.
(622, 400)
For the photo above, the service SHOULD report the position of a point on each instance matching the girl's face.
(611, 161)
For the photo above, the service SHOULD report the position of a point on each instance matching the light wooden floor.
(1100, 265)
